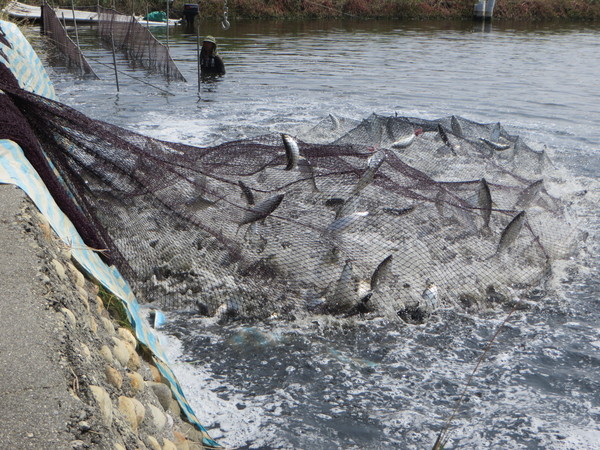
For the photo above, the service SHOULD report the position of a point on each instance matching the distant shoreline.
(513, 10)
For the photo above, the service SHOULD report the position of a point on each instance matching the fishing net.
(389, 216)
(54, 29)
(137, 42)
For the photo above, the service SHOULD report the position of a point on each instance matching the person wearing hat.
(210, 61)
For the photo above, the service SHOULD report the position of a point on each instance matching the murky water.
(371, 384)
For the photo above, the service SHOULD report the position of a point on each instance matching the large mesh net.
(56, 32)
(138, 43)
(391, 216)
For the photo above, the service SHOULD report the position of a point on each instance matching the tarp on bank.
(18, 55)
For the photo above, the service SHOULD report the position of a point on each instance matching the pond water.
(373, 384)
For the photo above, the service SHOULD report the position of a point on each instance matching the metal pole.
(168, 50)
(77, 38)
(197, 19)
(112, 44)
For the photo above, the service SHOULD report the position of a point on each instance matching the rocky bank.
(71, 375)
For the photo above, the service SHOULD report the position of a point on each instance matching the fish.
(495, 134)
(343, 223)
(456, 128)
(349, 206)
(373, 165)
(382, 271)
(511, 232)
(484, 202)
(334, 202)
(430, 295)
(404, 141)
(199, 203)
(306, 169)
(292, 152)
(440, 200)
(529, 194)
(445, 138)
(398, 211)
(335, 123)
(498, 146)
(246, 193)
(262, 210)
(345, 295)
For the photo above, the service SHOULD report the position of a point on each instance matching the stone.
(127, 408)
(156, 376)
(113, 376)
(83, 294)
(78, 277)
(158, 418)
(175, 408)
(69, 315)
(136, 381)
(152, 443)
(104, 403)
(135, 362)
(127, 336)
(59, 269)
(99, 305)
(120, 351)
(119, 446)
(78, 444)
(106, 354)
(93, 324)
(108, 326)
(85, 351)
(163, 393)
(140, 410)
(168, 445)
(84, 426)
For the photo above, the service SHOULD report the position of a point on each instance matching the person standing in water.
(210, 61)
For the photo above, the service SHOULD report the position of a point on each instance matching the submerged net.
(392, 216)
(138, 43)
(54, 29)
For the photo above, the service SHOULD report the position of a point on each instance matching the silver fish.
(345, 295)
(456, 128)
(199, 203)
(498, 146)
(529, 194)
(511, 232)
(246, 193)
(404, 141)
(262, 210)
(292, 152)
(440, 201)
(445, 139)
(335, 123)
(484, 202)
(430, 295)
(495, 134)
(349, 206)
(343, 223)
(398, 211)
(382, 271)
(373, 165)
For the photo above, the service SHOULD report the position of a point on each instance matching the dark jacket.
(211, 64)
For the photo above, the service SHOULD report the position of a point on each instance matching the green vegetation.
(522, 10)
(115, 308)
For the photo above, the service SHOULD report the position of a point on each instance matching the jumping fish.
(246, 192)
(348, 207)
(512, 230)
(445, 139)
(373, 165)
(343, 223)
(262, 210)
(495, 134)
(335, 123)
(292, 152)
(383, 270)
(430, 295)
(498, 146)
(484, 202)
(404, 141)
(529, 194)
(345, 295)
(456, 128)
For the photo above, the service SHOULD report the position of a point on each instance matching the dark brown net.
(54, 29)
(391, 216)
(138, 43)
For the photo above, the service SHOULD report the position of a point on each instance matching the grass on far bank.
(520, 10)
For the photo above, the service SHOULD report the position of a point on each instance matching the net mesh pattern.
(54, 29)
(138, 43)
(392, 216)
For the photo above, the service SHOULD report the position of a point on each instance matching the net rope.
(390, 216)
(54, 29)
(137, 42)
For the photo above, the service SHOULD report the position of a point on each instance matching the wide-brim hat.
(210, 39)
